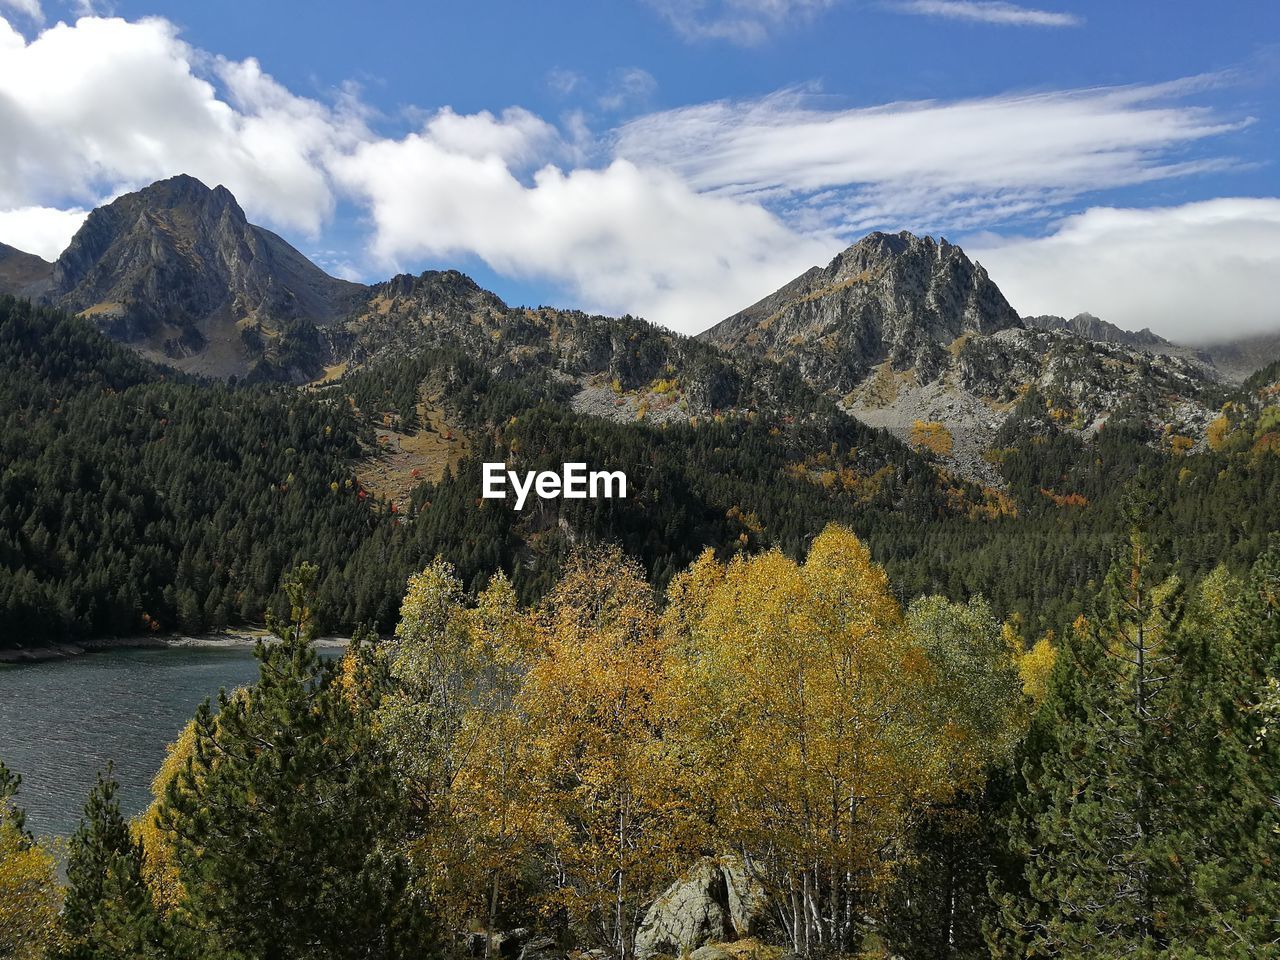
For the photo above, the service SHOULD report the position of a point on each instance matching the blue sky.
(680, 160)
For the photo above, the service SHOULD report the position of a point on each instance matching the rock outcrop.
(717, 900)
(889, 297)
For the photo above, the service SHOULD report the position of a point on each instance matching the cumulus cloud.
(1195, 273)
(682, 216)
(989, 11)
(625, 239)
(516, 138)
(106, 105)
(931, 164)
(744, 22)
(44, 231)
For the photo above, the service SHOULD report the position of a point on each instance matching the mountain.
(621, 368)
(22, 274)
(1089, 327)
(178, 272)
(889, 297)
(1239, 358)
(898, 329)
(908, 331)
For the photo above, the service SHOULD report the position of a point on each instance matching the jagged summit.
(177, 270)
(895, 297)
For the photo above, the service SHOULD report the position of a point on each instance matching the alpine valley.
(191, 407)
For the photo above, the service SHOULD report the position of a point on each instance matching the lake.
(62, 720)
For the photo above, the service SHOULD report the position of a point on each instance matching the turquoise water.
(61, 721)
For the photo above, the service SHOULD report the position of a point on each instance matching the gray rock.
(716, 900)
(893, 297)
(541, 948)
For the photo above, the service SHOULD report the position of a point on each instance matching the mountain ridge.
(897, 328)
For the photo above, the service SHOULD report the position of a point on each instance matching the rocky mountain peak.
(896, 297)
(177, 270)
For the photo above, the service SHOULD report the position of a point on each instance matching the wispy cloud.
(682, 215)
(628, 87)
(563, 82)
(931, 164)
(744, 22)
(28, 8)
(988, 11)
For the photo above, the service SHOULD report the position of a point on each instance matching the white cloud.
(106, 105)
(44, 231)
(932, 165)
(562, 81)
(517, 138)
(628, 86)
(28, 8)
(691, 214)
(623, 239)
(1195, 273)
(744, 22)
(989, 11)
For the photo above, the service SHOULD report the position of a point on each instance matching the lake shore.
(227, 639)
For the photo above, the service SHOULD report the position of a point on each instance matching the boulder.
(541, 948)
(715, 901)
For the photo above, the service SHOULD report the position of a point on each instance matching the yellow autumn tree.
(933, 436)
(818, 721)
(594, 699)
(30, 897)
(1035, 667)
(497, 803)
(158, 866)
(452, 721)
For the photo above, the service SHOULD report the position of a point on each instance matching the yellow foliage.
(1218, 431)
(789, 711)
(594, 699)
(1035, 666)
(796, 684)
(29, 895)
(932, 436)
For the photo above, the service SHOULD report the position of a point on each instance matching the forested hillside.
(136, 500)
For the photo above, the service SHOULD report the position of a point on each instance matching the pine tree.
(108, 913)
(286, 820)
(1088, 819)
(1147, 826)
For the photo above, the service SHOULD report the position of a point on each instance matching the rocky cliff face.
(176, 270)
(23, 274)
(889, 297)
